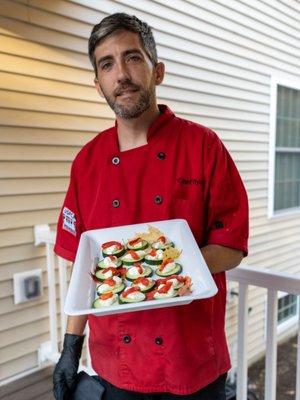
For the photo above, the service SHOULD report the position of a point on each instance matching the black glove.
(65, 372)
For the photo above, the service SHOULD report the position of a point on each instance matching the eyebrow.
(125, 53)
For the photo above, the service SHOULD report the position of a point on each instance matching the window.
(285, 149)
(287, 307)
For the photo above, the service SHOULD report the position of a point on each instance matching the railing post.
(298, 361)
(271, 346)
(242, 371)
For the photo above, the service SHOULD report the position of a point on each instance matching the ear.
(159, 73)
(98, 87)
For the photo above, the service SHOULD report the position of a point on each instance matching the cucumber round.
(175, 271)
(152, 262)
(102, 266)
(147, 272)
(97, 304)
(117, 253)
(126, 300)
(142, 246)
(131, 262)
(147, 289)
(115, 289)
(160, 296)
(100, 276)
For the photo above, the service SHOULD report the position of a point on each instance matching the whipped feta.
(109, 301)
(168, 267)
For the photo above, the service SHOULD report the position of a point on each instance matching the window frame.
(275, 82)
(290, 322)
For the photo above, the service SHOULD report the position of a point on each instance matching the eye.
(105, 66)
(134, 59)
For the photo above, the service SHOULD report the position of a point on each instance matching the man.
(151, 166)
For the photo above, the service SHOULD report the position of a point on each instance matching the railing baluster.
(52, 298)
(62, 270)
(271, 346)
(242, 342)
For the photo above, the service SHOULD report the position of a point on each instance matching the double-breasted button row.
(127, 339)
(157, 200)
(161, 156)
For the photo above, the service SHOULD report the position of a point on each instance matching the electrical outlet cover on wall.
(27, 286)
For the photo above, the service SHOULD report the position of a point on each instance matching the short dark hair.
(120, 22)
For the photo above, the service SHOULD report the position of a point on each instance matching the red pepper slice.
(112, 269)
(165, 262)
(106, 296)
(133, 254)
(162, 239)
(139, 267)
(165, 288)
(134, 241)
(110, 282)
(144, 281)
(112, 243)
(131, 290)
(152, 253)
(150, 295)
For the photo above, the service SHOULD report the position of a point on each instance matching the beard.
(133, 109)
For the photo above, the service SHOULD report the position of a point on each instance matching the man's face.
(126, 76)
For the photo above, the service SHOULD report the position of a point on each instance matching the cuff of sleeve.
(64, 253)
(224, 238)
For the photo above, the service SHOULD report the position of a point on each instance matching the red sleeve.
(228, 220)
(70, 225)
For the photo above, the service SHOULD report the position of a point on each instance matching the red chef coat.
(183, 172)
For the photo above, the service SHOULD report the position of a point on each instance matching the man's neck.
(132, 133)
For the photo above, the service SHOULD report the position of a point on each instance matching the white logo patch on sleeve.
(69, 221)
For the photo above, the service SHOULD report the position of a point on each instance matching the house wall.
(219, 57)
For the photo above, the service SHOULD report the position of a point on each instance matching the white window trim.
(286, 326)
(291, 322)
(275, 81)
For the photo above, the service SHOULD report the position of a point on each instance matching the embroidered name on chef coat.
(69, 221)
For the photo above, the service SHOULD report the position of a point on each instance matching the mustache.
(124, 86)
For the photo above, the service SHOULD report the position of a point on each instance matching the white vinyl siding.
(219, 55)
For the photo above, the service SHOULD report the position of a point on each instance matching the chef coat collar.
(165, 114)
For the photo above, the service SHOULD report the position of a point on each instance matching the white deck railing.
(273, 281)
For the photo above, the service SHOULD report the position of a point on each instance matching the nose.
(122, 72)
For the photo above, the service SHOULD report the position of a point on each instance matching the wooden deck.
(37, 386)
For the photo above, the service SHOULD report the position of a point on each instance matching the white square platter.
(82, 289)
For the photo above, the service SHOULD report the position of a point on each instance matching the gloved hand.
(65, 372)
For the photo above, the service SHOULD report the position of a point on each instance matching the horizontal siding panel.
(38, 103)
(13, 135)
(39, 327)
(23, 347)
(18, 365)
(31, 202)
(12, 237)
(19, 253)
(34, 169)
(7, 270)
(15, 84)
(13, 187)
(53, 121)
(23, 219)
(26, 152)
(34, 313)
(42, 35)
(39, 17)
(42, 69)
(23, 48)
